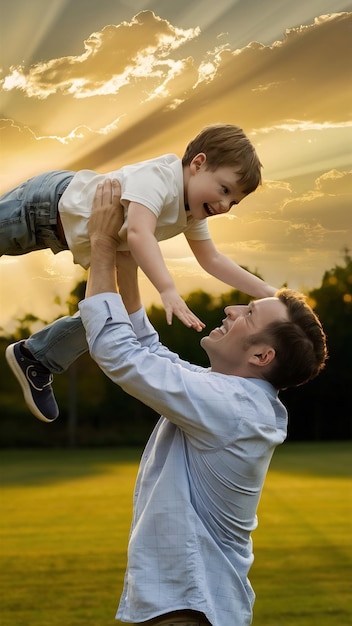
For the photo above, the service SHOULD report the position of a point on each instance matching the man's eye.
(249, 312)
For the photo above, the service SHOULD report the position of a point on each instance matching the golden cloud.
(145, 87)
(113, 58)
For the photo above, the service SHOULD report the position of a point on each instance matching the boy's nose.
(224, 207)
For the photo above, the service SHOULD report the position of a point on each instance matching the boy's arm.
(226, 270)
(145, 249)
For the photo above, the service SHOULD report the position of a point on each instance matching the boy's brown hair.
(227, 145)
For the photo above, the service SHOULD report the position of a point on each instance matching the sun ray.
(117, 83)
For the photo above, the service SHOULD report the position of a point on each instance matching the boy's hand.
(174, 305)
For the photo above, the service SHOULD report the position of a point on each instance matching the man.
(203, 469)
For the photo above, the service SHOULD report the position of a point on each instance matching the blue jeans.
(28, 214)
(58, 345)
(28, 218)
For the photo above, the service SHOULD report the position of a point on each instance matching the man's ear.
(197, 162)
(262, 355)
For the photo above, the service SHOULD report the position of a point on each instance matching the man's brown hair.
(299, 344)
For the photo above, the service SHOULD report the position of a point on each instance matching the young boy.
(161, 198)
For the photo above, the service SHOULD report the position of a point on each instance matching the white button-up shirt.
(201, 474)
(157, 184)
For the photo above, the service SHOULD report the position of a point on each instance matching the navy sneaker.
(35, 380)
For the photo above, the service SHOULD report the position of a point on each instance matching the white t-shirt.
(156, 183)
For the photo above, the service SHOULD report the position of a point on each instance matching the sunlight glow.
(131, 88)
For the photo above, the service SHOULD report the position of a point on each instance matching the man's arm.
(103, 229)
(106, 214)
(127, 349)
(127, 280)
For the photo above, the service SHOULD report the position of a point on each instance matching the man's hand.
(107, 215)
(104, 224)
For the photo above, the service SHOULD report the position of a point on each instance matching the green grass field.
(65, 517)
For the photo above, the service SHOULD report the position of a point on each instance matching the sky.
(97, 85)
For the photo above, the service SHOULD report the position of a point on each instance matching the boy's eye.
(225, 190)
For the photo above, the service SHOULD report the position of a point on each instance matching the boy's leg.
(28, 214)
(50, 350)
(59, 344)
(28, 221)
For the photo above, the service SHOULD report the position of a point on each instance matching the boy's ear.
(197, 162)
(262, 355)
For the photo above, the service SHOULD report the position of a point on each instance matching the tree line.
(94, 411)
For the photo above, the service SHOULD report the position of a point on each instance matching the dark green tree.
(95, 411)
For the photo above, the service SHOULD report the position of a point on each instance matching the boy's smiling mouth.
(209, 210)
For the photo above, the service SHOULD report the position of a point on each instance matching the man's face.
(209, 192)
(225, 345)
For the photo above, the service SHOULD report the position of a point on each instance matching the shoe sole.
(12, 361)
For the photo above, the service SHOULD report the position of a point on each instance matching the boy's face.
(211, 192)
